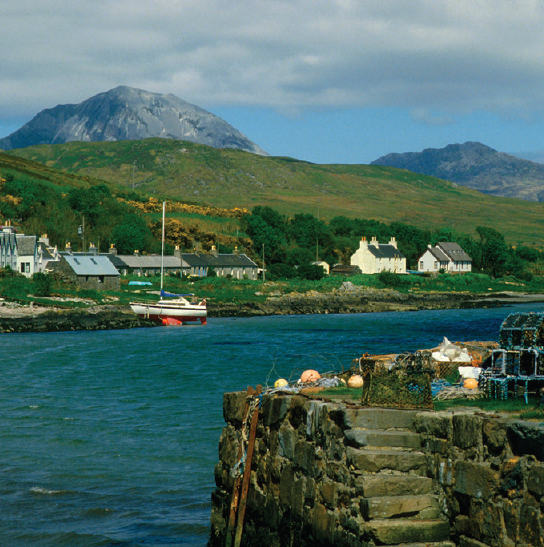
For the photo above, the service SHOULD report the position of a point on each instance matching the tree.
(42, 284)
(133, 234)
(311, 272)
(494, 251)
(262, 233)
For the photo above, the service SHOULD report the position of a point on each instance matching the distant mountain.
(125, 113)
(476, 166)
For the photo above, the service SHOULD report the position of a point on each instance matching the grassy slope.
(229, 178)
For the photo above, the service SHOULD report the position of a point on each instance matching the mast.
(162, 247)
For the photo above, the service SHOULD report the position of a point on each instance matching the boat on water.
(171, 309)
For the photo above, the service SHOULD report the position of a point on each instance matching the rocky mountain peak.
(126, 113)
(476, 166)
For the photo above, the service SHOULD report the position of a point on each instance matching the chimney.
(393, 242)
(177, 252)
(213, 251)
(374, 242)
(92, 249)
(136, 252)
(236, 251)
(68, 247)
(44, 239)
(363, 244)
(113, 250)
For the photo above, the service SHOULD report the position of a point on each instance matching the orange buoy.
(309, 376)
(356, 381)
(470, 383)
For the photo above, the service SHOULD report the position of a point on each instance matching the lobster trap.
(519, 360)
(403, 384)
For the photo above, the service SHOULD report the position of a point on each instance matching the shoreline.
(16, 318)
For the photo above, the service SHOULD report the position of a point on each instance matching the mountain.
(476, 166)
(125, 113)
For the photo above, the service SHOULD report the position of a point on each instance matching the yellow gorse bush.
(153, 205)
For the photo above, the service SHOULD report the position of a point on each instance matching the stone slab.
(379, 485)
(395, 531)
(400, 507)
(391, 438)
(374, 461)
(379, 418)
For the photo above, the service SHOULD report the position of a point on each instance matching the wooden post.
(237, 482)
(247, 473)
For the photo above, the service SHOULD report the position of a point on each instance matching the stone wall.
(326, 473)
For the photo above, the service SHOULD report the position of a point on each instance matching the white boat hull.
(171, 311)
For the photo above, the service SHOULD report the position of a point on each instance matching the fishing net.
(404, 385)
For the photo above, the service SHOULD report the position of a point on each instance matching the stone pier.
(331, 474)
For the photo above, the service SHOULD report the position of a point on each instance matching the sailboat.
(171, 309)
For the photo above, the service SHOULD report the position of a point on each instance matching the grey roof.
(454, 251)
(90, 264)
(219, 261)
(26, 245)
(385, 250)
(135, 262)
(46, 252)
(438, 254)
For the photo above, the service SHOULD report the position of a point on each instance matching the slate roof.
(90, 264)
(454, 251)
(438, 254)
(26, 245)
(46, 253)
(385, 250)
(219, 261)
(151, 262)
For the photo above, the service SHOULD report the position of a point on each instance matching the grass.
(229, 178)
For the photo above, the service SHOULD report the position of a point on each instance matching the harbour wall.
(328, 473)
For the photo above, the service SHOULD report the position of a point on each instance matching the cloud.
(447, 57)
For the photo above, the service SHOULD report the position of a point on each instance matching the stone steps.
(402, 531)
(359, 438)
(374, 461)
(398, 504)
(380, 485)
(379, 418)
(408, 507)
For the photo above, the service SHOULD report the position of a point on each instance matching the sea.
(110, 438)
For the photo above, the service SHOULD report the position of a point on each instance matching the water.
(110, 438)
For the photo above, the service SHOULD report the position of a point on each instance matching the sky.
(325, 81)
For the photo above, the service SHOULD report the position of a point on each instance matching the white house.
(18, 251)
(376, 257)
(447, 256)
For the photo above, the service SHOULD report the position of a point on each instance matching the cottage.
(146, 265)
(89, 271)
(18, 251)
(446, 256)
(377, 257)
(235, 265)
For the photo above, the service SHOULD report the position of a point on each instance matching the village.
(90, 269)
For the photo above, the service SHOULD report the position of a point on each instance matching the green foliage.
(529, 254)
(133, 234)
(282, 271)
(42, 284)
(310, 272)
(393, 280)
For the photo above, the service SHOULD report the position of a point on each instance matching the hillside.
(476, 166)
(125, 113)
(234, 178)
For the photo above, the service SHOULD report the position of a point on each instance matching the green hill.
(232, 178)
